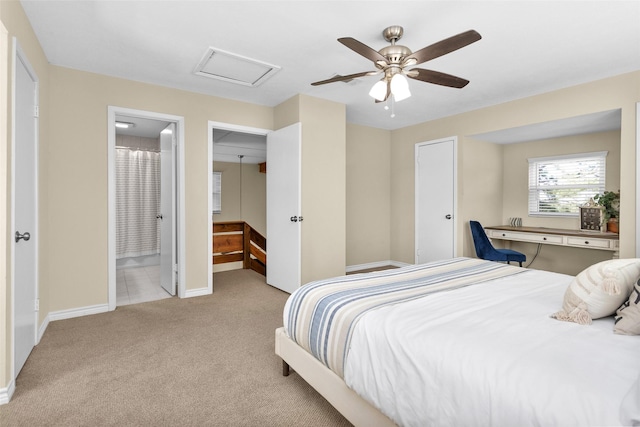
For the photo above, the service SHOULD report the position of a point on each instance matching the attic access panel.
(229, 67)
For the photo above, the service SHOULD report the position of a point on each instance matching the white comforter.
(490, 355)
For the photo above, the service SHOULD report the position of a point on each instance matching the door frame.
(19, 55)
(112, 111)
(234, 128)
(170, 211)
(455, 192)
(637, 179)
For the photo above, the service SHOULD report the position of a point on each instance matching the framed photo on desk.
(591, 218)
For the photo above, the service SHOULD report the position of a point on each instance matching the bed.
(462, 342)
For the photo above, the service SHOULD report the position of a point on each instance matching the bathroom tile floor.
(139, 284)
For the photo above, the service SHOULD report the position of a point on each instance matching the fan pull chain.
(391, 101)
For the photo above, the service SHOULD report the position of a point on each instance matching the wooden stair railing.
(235, 241)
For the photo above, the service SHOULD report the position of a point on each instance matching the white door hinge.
(36, 111)
(37, 305)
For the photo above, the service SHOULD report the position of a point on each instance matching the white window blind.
(217, 192)
(558, 186)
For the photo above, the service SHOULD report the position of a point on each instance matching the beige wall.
(254, 200)
(483, 200)
(367, 195)
(323, 182)
(621, 92)
(515, 196)
(368, 186)
(323, 188)
(78, 175)
(516, 178)
(254, 195)
(287, 113)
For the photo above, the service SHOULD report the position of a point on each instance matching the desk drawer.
(526, 237)
(586, 242)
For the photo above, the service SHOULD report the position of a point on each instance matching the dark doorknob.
(294, 219)
(448, 216)
(26, 236)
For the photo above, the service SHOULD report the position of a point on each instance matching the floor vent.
(232, 68)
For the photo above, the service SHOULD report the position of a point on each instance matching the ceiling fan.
(395, 59)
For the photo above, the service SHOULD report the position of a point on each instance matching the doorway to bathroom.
(144, 206)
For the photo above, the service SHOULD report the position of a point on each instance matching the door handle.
(448, 216)
(159, 216)
(26, 236)
(294, 219)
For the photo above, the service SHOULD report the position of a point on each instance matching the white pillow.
(599, 290)
(628, 315)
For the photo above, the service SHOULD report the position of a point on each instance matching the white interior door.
(25, 231)
(284, 208)
(167, 214)
(435, 200)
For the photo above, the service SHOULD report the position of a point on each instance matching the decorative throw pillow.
(599, 290)
(628, 315)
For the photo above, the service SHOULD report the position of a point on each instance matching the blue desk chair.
(485, 250)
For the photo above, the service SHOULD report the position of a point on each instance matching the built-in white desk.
(557, 236)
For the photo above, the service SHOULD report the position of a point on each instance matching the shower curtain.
(137, 203)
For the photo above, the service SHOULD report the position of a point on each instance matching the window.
(558, 186)
(217, 192)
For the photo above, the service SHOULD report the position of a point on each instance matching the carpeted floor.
(205, 361)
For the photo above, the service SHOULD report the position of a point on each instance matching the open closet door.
(284, 218)
(167, 214)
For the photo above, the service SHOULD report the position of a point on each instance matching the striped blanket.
(321, 315)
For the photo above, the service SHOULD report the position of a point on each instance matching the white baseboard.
(189, 293)
(78, 312)
(377, 264)
(7, 392)
(43, 328)
(227, 266)
(400, 264)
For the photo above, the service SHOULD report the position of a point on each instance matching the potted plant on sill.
(610, 201)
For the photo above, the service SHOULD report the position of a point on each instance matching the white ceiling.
(146, 128)
(527, 47)
(589, 123)
(228, 146)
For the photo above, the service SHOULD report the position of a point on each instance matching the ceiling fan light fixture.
(379, 90)
(400, 87)
(394, 59)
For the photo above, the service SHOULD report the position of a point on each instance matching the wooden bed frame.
(354, 408)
